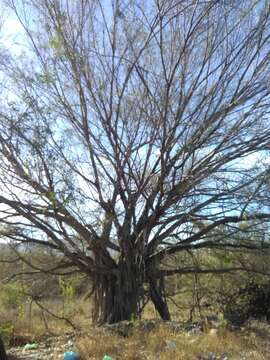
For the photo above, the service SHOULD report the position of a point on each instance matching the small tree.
(123, 132)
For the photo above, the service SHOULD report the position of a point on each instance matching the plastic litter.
(71, 355)
(32, 346)
(170, 345)
(107, 357)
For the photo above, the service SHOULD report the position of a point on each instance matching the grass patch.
(164, 344)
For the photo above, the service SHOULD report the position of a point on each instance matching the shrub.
(250, 301)
(11, 297)
(6, 332)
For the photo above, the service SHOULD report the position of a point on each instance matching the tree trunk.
(157, 296)
(3, 355)
(117, 295)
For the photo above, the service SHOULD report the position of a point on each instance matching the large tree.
(129, 131)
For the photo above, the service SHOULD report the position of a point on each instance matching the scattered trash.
(32, 346)
(107, 357)
(71, 355)
(170, 345)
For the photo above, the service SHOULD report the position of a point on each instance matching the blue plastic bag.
(71, 355)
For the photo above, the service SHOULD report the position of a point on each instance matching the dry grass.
(163, 344)
(36, 323)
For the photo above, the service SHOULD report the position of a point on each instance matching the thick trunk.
(120, 300)
(3, 355)
(157, 296)
(118, 295)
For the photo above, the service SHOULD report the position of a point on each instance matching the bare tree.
(124, 128)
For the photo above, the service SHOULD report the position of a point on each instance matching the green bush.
(11, 297)
(6, 332)
(250, 301)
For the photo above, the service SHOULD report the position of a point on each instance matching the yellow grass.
(159, 344)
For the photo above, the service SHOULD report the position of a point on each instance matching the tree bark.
(3, 355)
(118, 295)
(157, 296)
